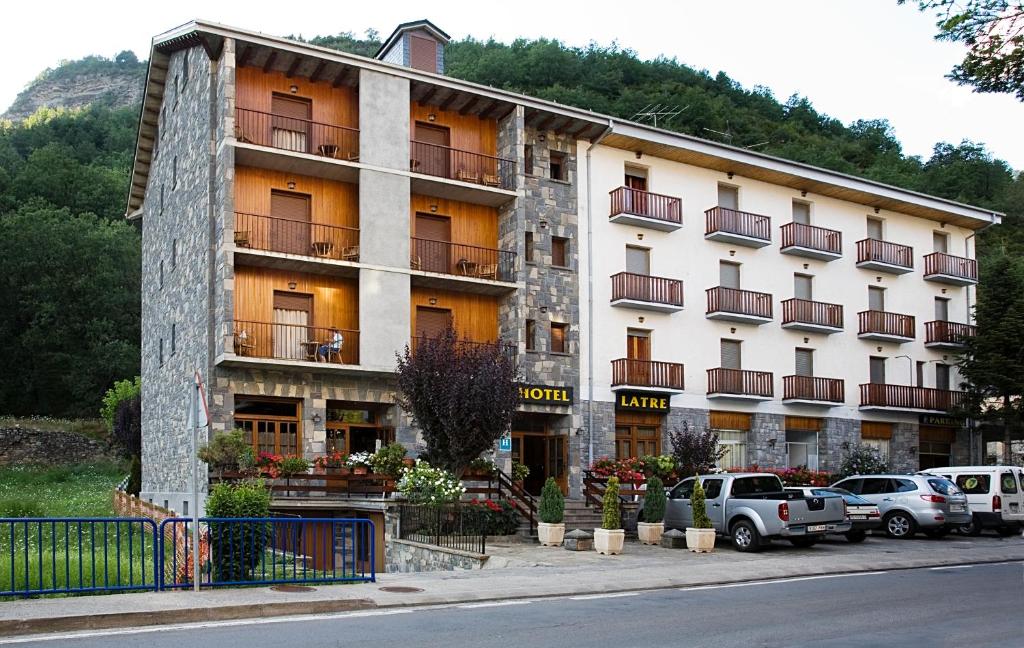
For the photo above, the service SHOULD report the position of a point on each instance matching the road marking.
(471, 606)
(589, 597)
(945, 567)
(776, 581)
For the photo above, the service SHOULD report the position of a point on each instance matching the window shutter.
(423, 53)
(801, 212)
(289, 206)
(876, 299)
(875, 229)
(729, 421)
(729, 274)
(431, 322)
(940, 242)
(804, 362)
(941, 309)
(728, 197)
(878, 371)
(731, 354)
(638, 260)
(802, 287)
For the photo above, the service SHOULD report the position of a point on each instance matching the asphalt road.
(971, 605)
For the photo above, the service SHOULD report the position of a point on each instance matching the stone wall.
(903, 450)
(25, 446)
(407, 556)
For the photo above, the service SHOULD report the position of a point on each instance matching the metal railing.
(647, 373)
(295, 134)
(939, 263)
(811, 312)
(595, 485)
(905, 397)
(296, 237)
(741, 382)
(812, 237)
(295, 342)
(639, 287)
(874, 250)
(942, 331)
(723, 219)
(330, 483)
(467, 166)
(740, 302)
(885, 323)
(644, 203)
(452, 526)
(830, 390)
(462, 260)
(510, 351)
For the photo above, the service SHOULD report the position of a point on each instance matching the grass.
(59, 491)
(92, 428)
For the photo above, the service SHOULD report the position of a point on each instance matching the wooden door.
(432, 156)
(293, 314)
(290, 223)
(290, 124)
(433, 244)
(636, 200)
(432, 322)
(638, 348)
(557, 452)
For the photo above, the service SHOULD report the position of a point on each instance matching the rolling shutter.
(941, 309)
(431, 322)
(423, 53)
(804, 362)
(728, 197)
(875, 430)
(802, 286)
(729, 421)
(801, 212)
(731, 354)
(728, 274)
(876, 299)
(878, 371)
(638, 260)
(941, 376)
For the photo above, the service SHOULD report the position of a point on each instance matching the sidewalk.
(514, 571)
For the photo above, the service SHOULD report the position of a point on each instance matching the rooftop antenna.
(726, 136)
(653, 112)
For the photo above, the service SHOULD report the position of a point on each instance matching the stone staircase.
(577, 516)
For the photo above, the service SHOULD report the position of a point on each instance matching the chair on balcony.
(240, 135)
(242, 238)
(245, 344)
(322, 248)
(415, 262)
(492, 180)
(466, 175)
(350, 253)
(488, 271)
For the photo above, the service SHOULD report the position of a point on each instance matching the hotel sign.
(545, 395)
(643, 401)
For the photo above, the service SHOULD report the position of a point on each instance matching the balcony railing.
(829, 390)
(942, 332)
(296, 237)
(804, 311)
(938, 263)
(510, 351)
(812, 237)
(462, 260)
(885, 323)
(294, 134)
(874, 251)
(741, 382)
(731, 221)
(905, 397)
(739, 302)
(295, 342)
(467, 166)
(649, 205)
(647, 373)
(629, 285)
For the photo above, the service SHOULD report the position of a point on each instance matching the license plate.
(957, 508)
(816, 527)
(858, 517)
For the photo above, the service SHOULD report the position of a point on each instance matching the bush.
(235, 550)
(862, 460)
(481, 465)
(488, 517)
(135, 477)
(293, 465)
(700, 511)
(424, 484)
(654, 500)
(695, 453)
(661, 466)
(552, 503)
(611, 518)
(121, 391)
(227, 450)
(127, 428)
(388, 460)
(520, 471)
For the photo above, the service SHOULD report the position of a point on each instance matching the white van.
(994, 493)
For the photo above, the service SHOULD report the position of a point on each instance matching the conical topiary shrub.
(701, 536)
(654, 501)
(552, 503)
(611, 518)
(700, 511)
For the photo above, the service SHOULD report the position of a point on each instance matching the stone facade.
(408, 556)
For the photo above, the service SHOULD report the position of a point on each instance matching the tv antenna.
(654, 112)
(727, 137)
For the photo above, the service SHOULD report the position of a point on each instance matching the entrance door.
(290, 222)
(433, 243)
(290, 123)
(637, 200)
(293, 314)
(557, 451)
(432, 155)
(432, 322)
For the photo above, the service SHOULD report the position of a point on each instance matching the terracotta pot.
(609, 541)
(360, 470)
(700, 540)
(550, 535)
(650, 532)
(409, 461)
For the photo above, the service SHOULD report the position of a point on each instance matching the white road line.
(589, 597)
(777, 581)
(947, 567)
(472, 606)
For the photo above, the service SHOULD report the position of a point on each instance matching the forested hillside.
(69, 263)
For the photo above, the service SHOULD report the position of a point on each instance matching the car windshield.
(756, 485)
(943, 486)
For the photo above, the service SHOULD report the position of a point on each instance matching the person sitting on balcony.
(333, 347)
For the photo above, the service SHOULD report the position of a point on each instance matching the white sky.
(852, 58)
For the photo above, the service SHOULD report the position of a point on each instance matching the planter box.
(700, 540)
(550, 535)
(609, 541)
(578, 540)
(650, 532)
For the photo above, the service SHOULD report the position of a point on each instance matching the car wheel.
(936, 534)
(900, 525)
(1006, 532)
(972, 528)
(745, 536)
(803, 543)
(856, 536)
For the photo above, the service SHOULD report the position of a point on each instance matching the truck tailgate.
(816, 510)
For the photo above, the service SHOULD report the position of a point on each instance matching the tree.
(993, 31)
(127, 433)
(461, 395)
(695, 452)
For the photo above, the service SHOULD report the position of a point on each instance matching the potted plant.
(480, 468)
(551, 528)
(334, 463)
(389, 460)
(360, 462)
(653, 526)
(608, 539)
(701, 536)
(520, 472)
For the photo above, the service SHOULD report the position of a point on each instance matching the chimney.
(418, 44)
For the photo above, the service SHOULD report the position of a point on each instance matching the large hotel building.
(307, 213)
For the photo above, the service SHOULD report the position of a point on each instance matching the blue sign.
(505, 444)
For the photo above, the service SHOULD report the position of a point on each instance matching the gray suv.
(909, 503)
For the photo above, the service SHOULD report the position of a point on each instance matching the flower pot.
(609, 541)
(550, 535)
(360, 470)
(650, 532)
(700, 540)
(409, 462)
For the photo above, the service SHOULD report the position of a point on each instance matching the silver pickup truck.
(754, 508)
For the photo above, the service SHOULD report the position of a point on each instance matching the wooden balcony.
(469, 167)
(885, 327)
(947, 335)
(905, 398)
(462, 264)
(740, 384)
(812, 390)
(811, 242)
(949, 269)
(647, 375)
(737, 227)
(296, 135)
(302, 238)
(812, 316)
(735, 305)
(644, 292)
(884, 256)
(646, 209)
(293, 343)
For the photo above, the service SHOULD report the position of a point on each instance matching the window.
(731, 354)
(875, 486)
(940, 242)
(531, 335)
(801, 212)
(683, 490)
(712, 488)
(529, 247)
(802, 449)
(802, 286)
(161, 280)
(974, 484)
(174, 173)
(559, 251)
(558, 343)
(804, 362)
(637, 435)
(528, 159)
(941, 376)
(177, 89)
(174, 254)
(160, 122)
(756, 486)
(907, 486)
(881, 446)
(174, 338)
(1008, 483)
(184, 507)
(734, 442)
(728, 274)
(638, 260)
(874, 227)
(942, 309)
(161, 351)
(876, 298)
(877, 370)
(269, 425)
(557, 166)
(184, 69)
(161, 200)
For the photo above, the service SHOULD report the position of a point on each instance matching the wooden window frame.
(558, 160)
(564, 328)
(562, 241)
(241, 419)
(531, 335)
(529, 249)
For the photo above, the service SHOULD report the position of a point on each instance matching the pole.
(195, 484)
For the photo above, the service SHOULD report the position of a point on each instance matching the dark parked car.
(863, 515)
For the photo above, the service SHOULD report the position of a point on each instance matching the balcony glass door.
(292, 317)
(433, 244)
(433, 157)
(290, 123)
(290, 223)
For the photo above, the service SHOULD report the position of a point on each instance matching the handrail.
(647, 288)
(466, 166)
(722, 380)
(517, 496)
(594, 487)
(806, 311)
(951, 332)
(905, 396)
(733, 221)
(812, 237)
(276, 234)
(741, 302)
(813, 388)
(885, 323)
(647, 373)
(879, 251)
(625, 200)
(295, 342)
(461, 259)
(296, 134)
(938, 263)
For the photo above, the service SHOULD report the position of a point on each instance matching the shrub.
(293, 465)
(227, 450)
(661, 466)
(700, 511)
(862, 460)
(520, 471)
(127, 426)
(488, 517)
(236, 549)
(695, 453)
(388, 460)
(424, 484)
(121, 391)
(610, 516)
(135, 477)
(654, 500)
(482, 465)
(552, 503)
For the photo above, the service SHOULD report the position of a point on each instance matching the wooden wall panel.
(335, 106)
(875, 430)
(468, 132)
(471, 224)
(335, 300)
(729, 421)
(475, 316)
(333, 203)
(804, 424)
